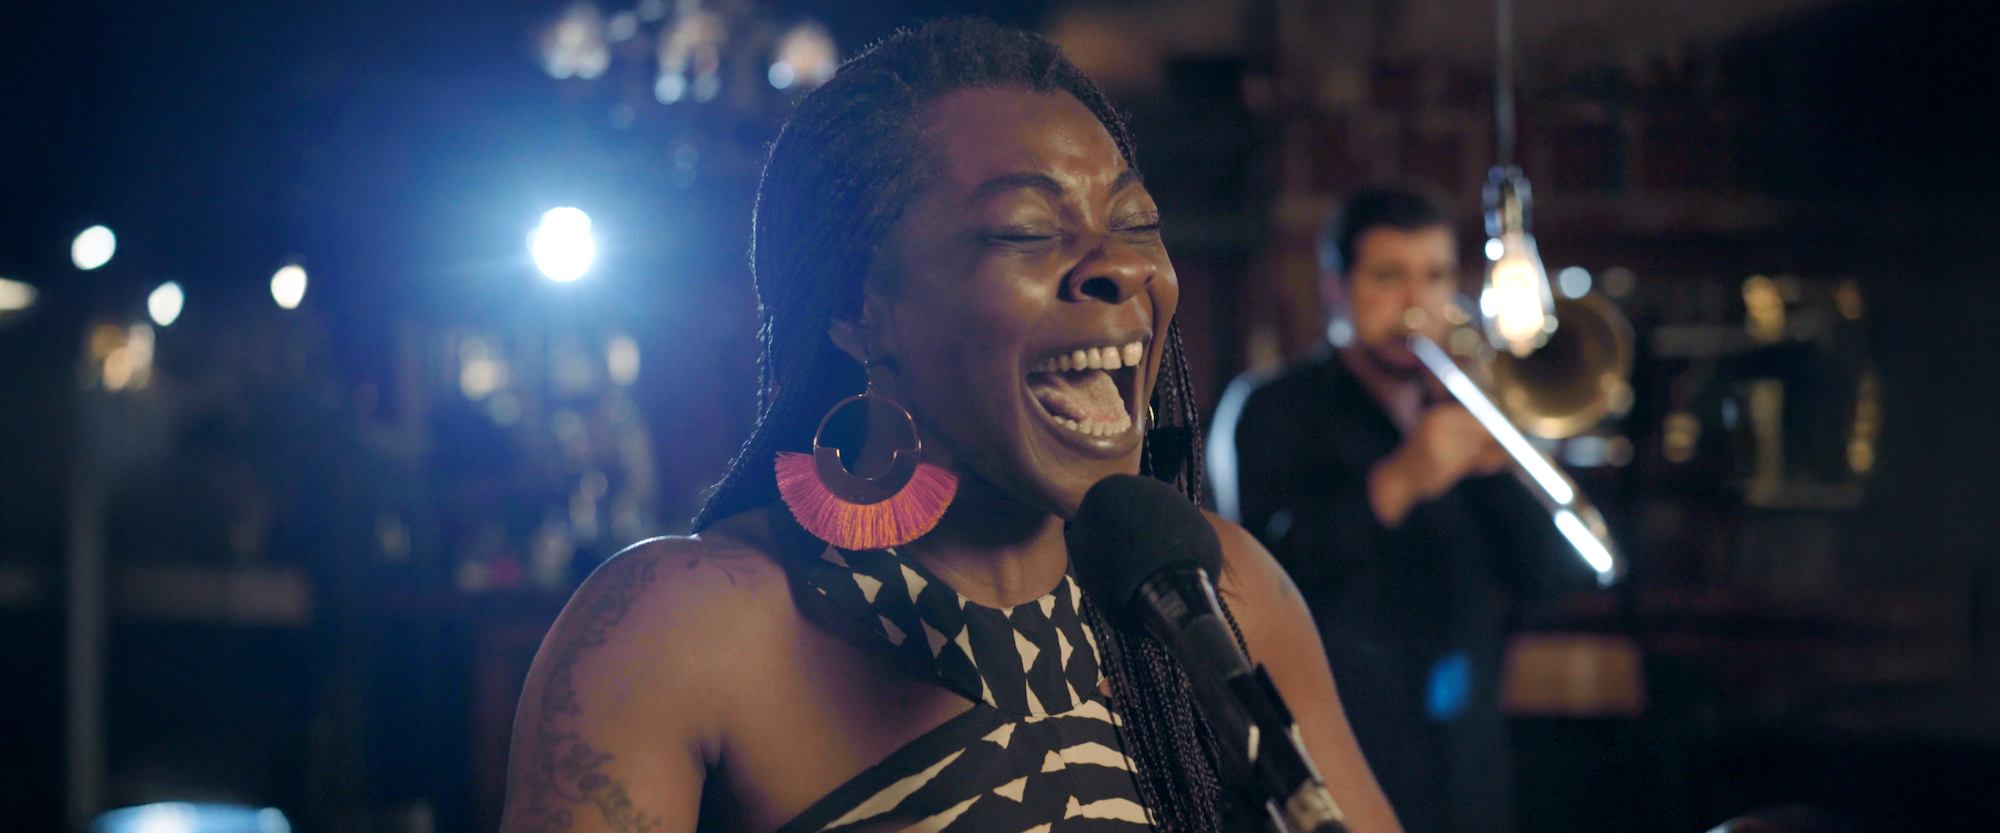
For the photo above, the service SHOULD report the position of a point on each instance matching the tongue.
(1079, 395)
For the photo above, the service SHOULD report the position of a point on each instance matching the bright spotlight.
(288, 286)
(16, 296)
(561, 245)
(165, 303)
(93, 248)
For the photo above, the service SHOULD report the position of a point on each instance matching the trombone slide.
(1577, 520)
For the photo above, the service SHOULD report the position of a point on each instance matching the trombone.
(1570, 382)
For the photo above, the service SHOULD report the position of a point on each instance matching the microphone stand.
(1263, 755)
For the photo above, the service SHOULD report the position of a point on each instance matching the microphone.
(1144, 555)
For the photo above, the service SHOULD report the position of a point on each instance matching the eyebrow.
(1044, 183)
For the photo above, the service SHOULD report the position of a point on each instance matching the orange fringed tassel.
(853, 526)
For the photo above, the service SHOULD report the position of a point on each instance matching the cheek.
(1440, 293)
(1166, 291)
(968, 339)
(1373, 308)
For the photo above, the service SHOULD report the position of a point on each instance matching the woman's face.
(1027, 297)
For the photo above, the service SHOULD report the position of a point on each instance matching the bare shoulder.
(665, 596)
(1248, 570)
(620, 709)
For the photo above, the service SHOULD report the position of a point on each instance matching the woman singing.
(964, 290)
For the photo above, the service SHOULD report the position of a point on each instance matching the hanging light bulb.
(1516, 302)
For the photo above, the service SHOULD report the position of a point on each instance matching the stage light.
(561, 245)
(165, 303)
(16, 296)
(288, 286)
(92, 248)
(782, 75)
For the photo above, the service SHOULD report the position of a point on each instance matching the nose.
(1112, 273)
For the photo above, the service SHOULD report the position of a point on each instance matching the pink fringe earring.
(865, 513)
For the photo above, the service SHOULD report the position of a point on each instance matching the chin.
(1394, 358)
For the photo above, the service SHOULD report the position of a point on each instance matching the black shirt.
(1412, 617)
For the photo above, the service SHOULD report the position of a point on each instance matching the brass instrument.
(1565, 386)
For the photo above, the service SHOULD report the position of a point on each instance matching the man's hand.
(1447, 445)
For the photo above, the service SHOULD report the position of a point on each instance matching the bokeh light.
(164, 305)
(562, 245)
(573, 46)
(621, 360)
(93, 248)
(288, 286)
(16, 296)
(806, 58)
(670, 87)
(121, 357)
(184, 817)
(480, 370)
(1574, 282)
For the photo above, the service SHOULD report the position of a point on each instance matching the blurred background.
(303, 445)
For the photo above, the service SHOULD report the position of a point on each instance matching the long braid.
(841, 172)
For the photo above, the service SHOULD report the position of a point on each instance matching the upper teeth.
(1095, 358)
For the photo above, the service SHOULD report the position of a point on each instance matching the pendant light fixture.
(1516, 304)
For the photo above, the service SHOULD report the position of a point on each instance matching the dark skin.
(685, 660)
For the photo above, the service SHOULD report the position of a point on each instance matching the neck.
(993, 549)
(1399, 394)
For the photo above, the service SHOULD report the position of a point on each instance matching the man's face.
(1395, 271)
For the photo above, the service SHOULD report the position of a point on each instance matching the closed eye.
(1143, 226)
(1020, 236)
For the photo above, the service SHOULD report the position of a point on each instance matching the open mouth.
(1089, 390)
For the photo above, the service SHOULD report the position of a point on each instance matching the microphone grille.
(1130, 527)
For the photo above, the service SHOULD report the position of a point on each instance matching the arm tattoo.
(563, 770)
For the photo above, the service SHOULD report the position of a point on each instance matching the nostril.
(1102, 289)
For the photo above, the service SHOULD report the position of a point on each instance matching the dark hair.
(1407, 210)
(843, 169)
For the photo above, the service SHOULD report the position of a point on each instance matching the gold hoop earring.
(865, 513)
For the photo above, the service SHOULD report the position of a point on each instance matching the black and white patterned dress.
(1039, 751)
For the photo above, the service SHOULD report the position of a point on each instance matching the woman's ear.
(848, 335)
(865, 339)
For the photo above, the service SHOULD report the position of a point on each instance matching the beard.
(1391, 359)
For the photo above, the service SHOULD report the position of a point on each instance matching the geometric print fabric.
(1040, 751)
(1037, 658)
(992, 772)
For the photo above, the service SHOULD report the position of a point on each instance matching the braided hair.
(843, 169)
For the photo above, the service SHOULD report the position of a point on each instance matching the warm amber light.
(1517, 300)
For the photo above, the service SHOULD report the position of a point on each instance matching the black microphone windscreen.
(1130, 527)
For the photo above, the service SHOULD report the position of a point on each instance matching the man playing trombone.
(1379, 494)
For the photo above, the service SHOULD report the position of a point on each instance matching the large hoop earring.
(865, 513)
